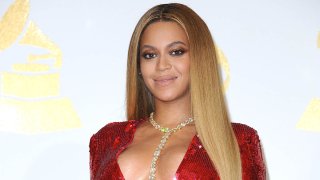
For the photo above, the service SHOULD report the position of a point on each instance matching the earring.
(139, 73)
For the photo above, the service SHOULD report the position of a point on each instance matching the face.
(164, 61)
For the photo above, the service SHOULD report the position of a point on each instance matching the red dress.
(112, 139)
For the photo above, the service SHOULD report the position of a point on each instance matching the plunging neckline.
(131, 139)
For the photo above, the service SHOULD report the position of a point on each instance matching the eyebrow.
(169, 45)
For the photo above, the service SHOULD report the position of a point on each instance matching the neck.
(170, 114)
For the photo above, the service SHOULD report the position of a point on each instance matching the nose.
(163, 63)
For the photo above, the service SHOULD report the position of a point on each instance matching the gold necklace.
(167, 132)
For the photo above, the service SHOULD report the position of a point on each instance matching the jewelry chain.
(168, 132)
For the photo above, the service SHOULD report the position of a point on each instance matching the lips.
(164, 80)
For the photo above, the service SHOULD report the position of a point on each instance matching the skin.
(164, 64)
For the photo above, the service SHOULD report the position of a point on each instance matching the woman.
(178, 124)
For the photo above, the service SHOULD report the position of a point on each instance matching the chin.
(171, 97)
(167, 98)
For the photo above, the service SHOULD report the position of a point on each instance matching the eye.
(177, 52)
(149, 55)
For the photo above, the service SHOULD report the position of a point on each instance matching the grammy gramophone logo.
(30, 100)
(310, 119)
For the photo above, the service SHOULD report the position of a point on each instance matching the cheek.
(145, 65)
(184, 68)
(146, 71)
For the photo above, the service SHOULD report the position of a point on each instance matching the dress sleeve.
(257, 157)
(93, 151)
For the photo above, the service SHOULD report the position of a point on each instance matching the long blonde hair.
(207, 99)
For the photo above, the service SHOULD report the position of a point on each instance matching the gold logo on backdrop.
(223, 62)
(310, 119)
(30, 100)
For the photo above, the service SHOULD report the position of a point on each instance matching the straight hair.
(208, 103)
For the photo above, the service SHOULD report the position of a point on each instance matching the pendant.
(167, 132)
(156, 154)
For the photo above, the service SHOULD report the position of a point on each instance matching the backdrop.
(63, 63)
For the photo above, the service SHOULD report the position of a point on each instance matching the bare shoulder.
(143, 129)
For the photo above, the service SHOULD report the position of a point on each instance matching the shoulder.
(244, 132)
(113, 129)
(250, 150)
(247, 137)
(109, 139)
(242, 128)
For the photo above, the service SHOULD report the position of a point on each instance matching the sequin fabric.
(112, 139)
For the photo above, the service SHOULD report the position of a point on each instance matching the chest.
(121, 157)
(134, 161)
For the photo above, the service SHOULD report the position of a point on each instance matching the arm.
(257, 157)
(92, 146)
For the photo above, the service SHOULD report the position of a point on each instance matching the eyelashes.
(149, 55)
(175, 52)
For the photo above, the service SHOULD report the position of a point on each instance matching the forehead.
(162, 33)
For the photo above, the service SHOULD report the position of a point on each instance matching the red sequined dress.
(112, 139)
